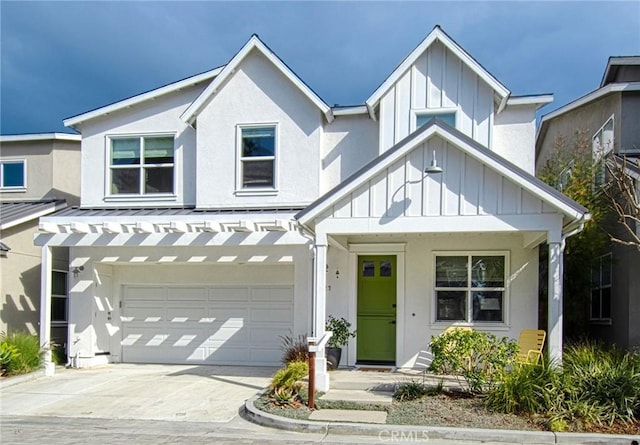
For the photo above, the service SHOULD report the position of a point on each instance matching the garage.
(208, 324)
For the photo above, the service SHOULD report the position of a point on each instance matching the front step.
(359, 396)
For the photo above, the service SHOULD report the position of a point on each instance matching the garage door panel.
(207, 324)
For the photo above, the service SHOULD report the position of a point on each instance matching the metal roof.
(159, 211)
(13, 213)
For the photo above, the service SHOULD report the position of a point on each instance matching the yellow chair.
(531, 342)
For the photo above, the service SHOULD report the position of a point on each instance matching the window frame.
(600, 286)
(110, 196)
(256, 191)
(14, 188)
(64, 322)
(599, 152)
(469, 289)
(434, 112)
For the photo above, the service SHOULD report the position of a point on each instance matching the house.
(222, 211)
(39, 175)
(610, 116)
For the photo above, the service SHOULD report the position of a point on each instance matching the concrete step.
(348, 415)
(358, 395)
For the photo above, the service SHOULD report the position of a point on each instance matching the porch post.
(554, 337)
(320, 309)
(45, 308)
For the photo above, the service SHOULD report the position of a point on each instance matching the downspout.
(586, 217)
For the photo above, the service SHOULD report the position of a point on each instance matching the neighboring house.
(227, 209)
(610, 115)
(39, 174)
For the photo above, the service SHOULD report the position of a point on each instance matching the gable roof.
(613, 66)
(18, 212)
(74, 121)
(190, 114)
(436, 127)
(437, 34)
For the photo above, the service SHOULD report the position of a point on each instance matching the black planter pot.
(333, 357)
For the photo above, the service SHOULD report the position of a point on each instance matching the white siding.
(438, 79)
(465, 187)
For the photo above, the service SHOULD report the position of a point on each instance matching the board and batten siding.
(466, 187)
(438, 79)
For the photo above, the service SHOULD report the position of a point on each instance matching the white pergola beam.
(212, 226)
(179, 226)
(48, 227)
(80, 227)
(144, 227)
(112, 227)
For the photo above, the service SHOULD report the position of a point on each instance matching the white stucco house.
(222, 211)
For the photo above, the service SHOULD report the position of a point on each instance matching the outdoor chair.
(531, 342)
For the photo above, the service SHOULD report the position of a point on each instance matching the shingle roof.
(13, 213)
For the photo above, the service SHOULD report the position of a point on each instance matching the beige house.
(39, 174)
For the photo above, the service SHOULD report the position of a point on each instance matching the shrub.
(8, 354)
(29, 355)
(289, 376)
(295, 349)
(480, 358)
(58, 354)
(414, 390)
(341, 333)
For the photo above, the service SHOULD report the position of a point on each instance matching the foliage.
(8, 354)
(26, 356)
(595, 385)
(623, 193)
(295, 349)
(58, 354)
(479, 357)
(341, 332)
(414, 390)
(573, 170)
(285, 384)
(282, 396)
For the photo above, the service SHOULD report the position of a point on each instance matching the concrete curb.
(388, 431)
(17, 379)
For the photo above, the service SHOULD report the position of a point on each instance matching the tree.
(623, 194)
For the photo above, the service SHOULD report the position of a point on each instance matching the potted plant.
(341, 334)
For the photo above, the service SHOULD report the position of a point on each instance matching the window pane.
(487, 271)
(258, 141)
(606, 270)
(158, 150)
(487, 306)
(13, 174)
(59, 283)
(125, 151)
(447, 118)
(257, 173)
(385, 269)
(451, 271)
(451, 305)
(368, 268)
(125, 180)
(58, 309)
(606, 302)
(158, 180)
(595, 303)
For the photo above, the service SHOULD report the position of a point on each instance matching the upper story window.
(13, 174)
(470, 287)
(257, 157)
(602, 141)
(601, 288)
(142, 165)
(448, 116)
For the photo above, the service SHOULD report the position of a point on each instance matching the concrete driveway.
(147, 392)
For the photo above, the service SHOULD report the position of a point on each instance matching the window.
(447, 116)
(257, 157)
(602, 141)
(470, 287)
(59, 298)
(601, 288)
(142, 165)
(13, 174)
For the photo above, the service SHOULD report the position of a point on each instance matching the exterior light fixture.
(433, 168)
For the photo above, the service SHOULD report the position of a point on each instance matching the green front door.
(376, 339)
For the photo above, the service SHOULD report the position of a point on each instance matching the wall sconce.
(76, 271)
(433, 168)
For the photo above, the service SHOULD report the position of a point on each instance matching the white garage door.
(228, 325)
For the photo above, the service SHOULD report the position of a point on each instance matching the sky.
(61, 59)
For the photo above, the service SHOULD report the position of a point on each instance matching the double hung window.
(601, 288)
(13, 174)
(470, 288)
(142, 165)
(257, 157)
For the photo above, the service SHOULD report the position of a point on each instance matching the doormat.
(375, 369)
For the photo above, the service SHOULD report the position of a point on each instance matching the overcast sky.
(60, 59)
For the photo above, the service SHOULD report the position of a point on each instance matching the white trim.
(437, 130)
(53, 208)
(14, 188)
(149, 95)
(618, 61)
(604, 149)
(539, 100)
(377, 249)
(435, 323)
(40, 137)
(437, 35)
(258, 191)
(350, 111)
(190, 114)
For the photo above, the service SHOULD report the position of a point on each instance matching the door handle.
(392, 322)
(393, 305)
